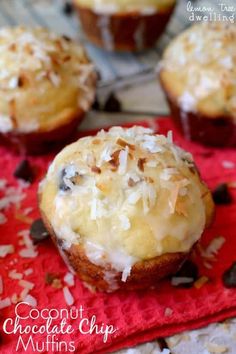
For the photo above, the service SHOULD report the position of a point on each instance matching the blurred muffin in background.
(198, 75)
(124, 25)
(47, 83)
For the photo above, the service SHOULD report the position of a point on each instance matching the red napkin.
(135, 316)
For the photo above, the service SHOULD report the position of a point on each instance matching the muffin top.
(45, 80)
(199, 69)
(125, 195)
(147, 7)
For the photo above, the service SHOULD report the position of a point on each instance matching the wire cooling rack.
(114, 67)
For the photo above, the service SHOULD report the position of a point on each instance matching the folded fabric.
(132, 317)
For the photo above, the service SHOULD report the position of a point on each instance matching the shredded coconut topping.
(127, 195)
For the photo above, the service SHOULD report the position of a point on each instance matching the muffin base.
(144, 274)
(123, 32)
(211, 131)
(34, 143)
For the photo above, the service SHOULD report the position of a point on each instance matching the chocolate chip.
(24, 171)
(99, 76)
(62, 185)
(96, 105)
(188, 270)
(229, 277)
(68, 8)
(38, 231)
(68, 39)
(112, 104)
(221, 194)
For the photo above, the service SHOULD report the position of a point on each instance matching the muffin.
(47, 83)
(124, 207)
(198, 75)
(125, 25)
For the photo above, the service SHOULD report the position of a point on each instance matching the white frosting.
(6, 124)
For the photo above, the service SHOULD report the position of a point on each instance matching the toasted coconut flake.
(1, 285)
(3, 184)
(125, 223)
(3, 219)
(106, 154)
(175, 281)
(200, 282)
(134, 197)
(26, 284)
(5, 303)
(15, 298)
(228, 164)
(169, 137)
(126, 273)
(5, 250)
(207, 265)
(168, 311)
(30, 300)
(174, 197)
(148, 196)
(27, 211)
(216, 348)
(68, 296)
(131, 182)
(28, 271)
(124, 143)
(141, 163)
(54, 78)
(213, 247)
(28, 253)
(123, 159)
(167, 173)
(151, 163)
(69, 279)
(114, 161)
(14, 275)
(232, 184)
(24, 218)
(23, 294)
(96, 169)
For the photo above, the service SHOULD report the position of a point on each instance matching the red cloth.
(138, 316)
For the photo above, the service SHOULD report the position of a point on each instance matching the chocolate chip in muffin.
(221, 194)
(229, 277)
(38, 231)
(73, 179)
(68, 39)
(96, 105)
(68, 8)
(112, 104)
(24, 171)
(189, 270)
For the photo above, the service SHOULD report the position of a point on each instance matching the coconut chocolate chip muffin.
(47, 83)
(125, 207)
(127, 25)
(198, 74)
